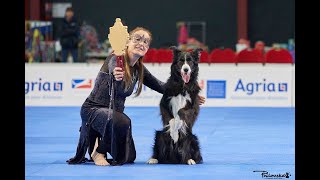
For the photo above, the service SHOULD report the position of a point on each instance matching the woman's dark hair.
(139, 64)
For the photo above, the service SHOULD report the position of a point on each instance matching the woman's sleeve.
(152, 82)
(108, 64)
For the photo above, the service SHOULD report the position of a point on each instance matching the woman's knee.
(122, 119)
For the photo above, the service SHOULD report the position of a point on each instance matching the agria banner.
(223, 85)
(251, 85)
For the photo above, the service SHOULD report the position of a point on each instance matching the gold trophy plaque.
(118, 38)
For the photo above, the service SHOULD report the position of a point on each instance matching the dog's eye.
(188, 59)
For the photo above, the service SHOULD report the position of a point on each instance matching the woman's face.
(139, 43)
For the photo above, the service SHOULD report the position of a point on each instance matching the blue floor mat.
(234, 142)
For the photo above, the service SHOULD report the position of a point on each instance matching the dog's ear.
(196, 54)
(175, 51)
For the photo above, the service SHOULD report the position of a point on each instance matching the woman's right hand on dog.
(118, 73)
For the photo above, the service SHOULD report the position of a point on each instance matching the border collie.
(179, 107)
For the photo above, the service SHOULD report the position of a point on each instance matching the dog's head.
(185, 64)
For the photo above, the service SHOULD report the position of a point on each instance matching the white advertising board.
(223, 85)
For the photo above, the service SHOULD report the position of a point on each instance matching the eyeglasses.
(136, 38)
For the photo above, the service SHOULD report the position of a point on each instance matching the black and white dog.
(179, 106)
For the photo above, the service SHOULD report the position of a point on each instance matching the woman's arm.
(152, 82)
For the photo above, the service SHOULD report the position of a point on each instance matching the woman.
(102, 112)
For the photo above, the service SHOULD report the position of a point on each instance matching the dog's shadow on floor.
(141, 163)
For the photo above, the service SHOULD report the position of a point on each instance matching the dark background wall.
(271, 20)
(268, 20)
(160, 17)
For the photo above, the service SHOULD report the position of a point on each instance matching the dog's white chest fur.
(176, 124)
(178, 102)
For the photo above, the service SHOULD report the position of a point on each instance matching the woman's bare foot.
(99, 159)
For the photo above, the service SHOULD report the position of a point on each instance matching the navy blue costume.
(115, 133)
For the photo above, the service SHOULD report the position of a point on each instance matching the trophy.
(118, 37)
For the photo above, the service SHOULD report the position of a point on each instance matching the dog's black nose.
(185, 70)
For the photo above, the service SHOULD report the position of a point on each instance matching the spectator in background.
(259, 45)
(242, 44)
(183, 36)
(70, 36)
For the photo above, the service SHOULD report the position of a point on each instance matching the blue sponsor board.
(216, 89)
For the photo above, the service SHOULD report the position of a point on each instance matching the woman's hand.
(202, 100)
(118, 73)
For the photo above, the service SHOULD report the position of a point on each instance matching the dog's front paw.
(152, 161)
(191, 162)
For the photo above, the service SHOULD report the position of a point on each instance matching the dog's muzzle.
(185, 73)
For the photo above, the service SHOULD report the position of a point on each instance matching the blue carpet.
(234, 142)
